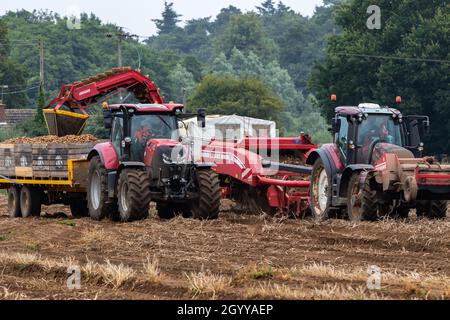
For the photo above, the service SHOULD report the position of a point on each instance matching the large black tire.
(14, 202)
(30, 202)
(370, 205)
(97, 192)
(436, 209)
(207, 206)
(79, 208)
(320, 192)
(168, 210)
(354, 198)
(133, 195)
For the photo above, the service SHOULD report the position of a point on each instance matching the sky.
(136, 15)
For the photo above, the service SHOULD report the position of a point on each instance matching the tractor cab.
(133, 126)
(369, 129)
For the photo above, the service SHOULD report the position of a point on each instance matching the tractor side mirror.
(201, 118)
(107, 118)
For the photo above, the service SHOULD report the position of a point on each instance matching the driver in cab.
(375, 131)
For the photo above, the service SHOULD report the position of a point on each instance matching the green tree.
(39, 118)
(182, 83)
(12, 74)
(169, 20)
(267, 8)
(245, 33)
(229, 95)
(275, 77)
(411, 33)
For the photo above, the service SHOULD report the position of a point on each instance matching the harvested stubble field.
(234, 257)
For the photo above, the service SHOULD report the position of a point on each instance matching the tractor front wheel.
(207, 205)
(134, 195)
(320, 191)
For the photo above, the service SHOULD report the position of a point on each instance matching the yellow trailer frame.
(76, 182)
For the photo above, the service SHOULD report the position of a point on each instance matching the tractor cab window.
(145, 127)
(117, 134)
(342, 138)
(377, 129)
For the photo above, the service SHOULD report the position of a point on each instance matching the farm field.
(234, 257)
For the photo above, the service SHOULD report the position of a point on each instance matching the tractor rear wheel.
(207, 205)
(14, 202)
(30, 202)
(435, 209)
(97, 191)
(320, 191)
(133, 195)
(79, 208)
(369, 205)
(354, 198)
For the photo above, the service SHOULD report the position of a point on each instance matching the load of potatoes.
(53, 139)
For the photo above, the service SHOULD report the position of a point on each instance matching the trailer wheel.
(134, 195)
(79, 208)
(207, 206)
(354, 198)
(97, 191)
(436, 209)
(320, 192)
(30, 202)
(370, 205)
(14, 202)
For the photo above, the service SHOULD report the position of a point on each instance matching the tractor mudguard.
(326, 158)
(347, 174)
(107, 153)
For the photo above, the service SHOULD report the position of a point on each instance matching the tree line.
(270, 63)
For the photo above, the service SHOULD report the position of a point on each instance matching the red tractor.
(375, 167)
(144, 160)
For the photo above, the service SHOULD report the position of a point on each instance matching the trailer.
(45, 174)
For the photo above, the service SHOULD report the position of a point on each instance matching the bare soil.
(234, 257)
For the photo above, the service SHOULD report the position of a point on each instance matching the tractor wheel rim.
(323, 190)
(123, 196)
(95, 190)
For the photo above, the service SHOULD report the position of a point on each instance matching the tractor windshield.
(154, 126)
(377, 128)
(145, 127)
